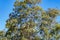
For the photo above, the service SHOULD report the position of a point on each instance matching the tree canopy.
(28, 21)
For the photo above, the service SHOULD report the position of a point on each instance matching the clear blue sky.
(6, 7)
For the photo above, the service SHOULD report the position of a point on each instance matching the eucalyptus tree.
(29, 21)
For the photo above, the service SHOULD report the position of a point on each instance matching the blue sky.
(6, 7)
